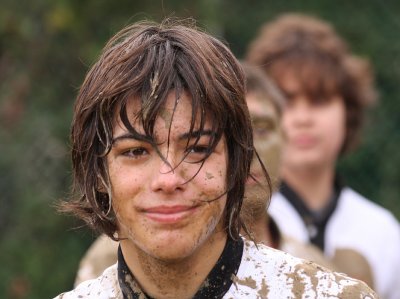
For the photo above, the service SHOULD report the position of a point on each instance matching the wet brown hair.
(145, 61)
(312, 51)
(260, 83)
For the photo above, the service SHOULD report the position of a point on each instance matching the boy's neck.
(313, 185)
(178, 279)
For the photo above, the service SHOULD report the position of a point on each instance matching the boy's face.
(267, 134)
(268, 140)
(167, 213)
(315, 131)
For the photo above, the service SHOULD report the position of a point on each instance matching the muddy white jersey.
(263, 273)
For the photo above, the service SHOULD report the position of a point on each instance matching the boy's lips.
(304, 141)
(169, 214)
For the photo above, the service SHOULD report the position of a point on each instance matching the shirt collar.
(217, 283)
(315, 221)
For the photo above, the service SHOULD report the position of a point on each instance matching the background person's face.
(161, 211)
(268, 142)
(267, 134)
(315, 132)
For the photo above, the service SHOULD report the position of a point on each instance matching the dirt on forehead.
(166, 116)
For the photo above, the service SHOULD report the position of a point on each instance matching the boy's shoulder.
(270, 273)
(104, 287)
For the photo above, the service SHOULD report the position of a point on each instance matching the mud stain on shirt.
(246, 281)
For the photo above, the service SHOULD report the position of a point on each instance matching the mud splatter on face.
(209, 175)
(166, 116)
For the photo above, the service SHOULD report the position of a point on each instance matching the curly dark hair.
(146, 61)
(312, 51)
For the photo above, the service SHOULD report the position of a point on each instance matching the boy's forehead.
(175, 111)
(290, 82)
(259, 102)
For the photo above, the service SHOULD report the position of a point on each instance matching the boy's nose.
(167, 177)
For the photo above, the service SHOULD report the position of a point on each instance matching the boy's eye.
(196, 153)
(262, 128)
(135, 152)
(198, 149)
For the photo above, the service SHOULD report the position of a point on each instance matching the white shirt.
(356, 224)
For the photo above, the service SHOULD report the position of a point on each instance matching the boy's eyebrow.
(125, 136)
(184, 136)
(196, 134)
(269, 117)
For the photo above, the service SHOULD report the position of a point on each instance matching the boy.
(161, 149)
(265, 104)
(328, 90)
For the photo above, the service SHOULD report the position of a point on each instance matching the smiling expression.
(167, 208)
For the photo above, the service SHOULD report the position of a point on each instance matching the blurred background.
(46, 47)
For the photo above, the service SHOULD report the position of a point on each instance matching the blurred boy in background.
(265, 103)
(328, 90)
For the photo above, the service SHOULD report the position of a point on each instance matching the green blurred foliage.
(46, 47)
